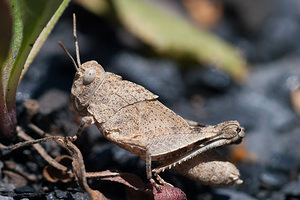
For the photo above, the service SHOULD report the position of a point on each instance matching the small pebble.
(277, 195)
(273, 179)
(51, 196)
(53, 100)
(6, 187)
(61, 194)
(31, 106)
(282, 162)
(6, 198)
(32, 166)
(232, 195)
(292, 188)
(25, 189)
(80, 196)
(249, 174)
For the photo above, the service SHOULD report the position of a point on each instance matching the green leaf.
(15, 43)
(6, 34)
(170, 34)
(33, 21)
(98, 7)
(35, 16)
(6, 30)
(43, 35)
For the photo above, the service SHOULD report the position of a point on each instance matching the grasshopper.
(132, 117)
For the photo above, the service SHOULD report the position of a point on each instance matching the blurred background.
(208, 60)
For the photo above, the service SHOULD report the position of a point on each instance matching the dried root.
(78, 168)
(67, 143)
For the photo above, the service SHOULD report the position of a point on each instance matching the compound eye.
(89, 76)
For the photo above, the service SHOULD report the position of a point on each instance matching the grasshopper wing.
(115, 94)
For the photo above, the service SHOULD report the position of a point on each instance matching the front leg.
(85, 122)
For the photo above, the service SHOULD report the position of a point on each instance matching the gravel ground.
(262, 104)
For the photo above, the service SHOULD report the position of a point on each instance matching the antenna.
(75, 39)
(68, 54)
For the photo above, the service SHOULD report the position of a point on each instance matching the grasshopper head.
(88, 78)
(87, 81)
(231, 131)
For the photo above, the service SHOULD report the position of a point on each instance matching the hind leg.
(161, 180)
(149, 171)
(149, 174)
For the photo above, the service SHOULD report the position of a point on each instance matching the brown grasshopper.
(132, 117)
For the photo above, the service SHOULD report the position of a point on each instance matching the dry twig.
(65, 142)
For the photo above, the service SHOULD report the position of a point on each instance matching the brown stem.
(7, 125)
(38, 130)
(7, 120)
(102, 174)
(26, 143)
(43, 153)
(79, 168)
(65, 142)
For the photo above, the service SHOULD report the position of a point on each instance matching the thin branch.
(102, 174)
(38, 130)
(43, 153)
(66, 142)
(27, 143)
(79, 168)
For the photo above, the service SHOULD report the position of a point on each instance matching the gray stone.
(53, 100)
(6, 198)
(161, 77)
(234, 195)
